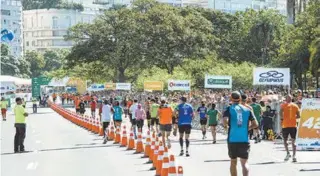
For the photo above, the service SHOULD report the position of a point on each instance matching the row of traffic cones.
(90, 124)
(158, 155)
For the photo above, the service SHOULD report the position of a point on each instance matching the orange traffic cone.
(111, 134)
(153, 144)
(99, 128)
(172, 168)
(91, 125)
(155, 155)
(165, 163)
(139, 145)
(148, 146)
(159, 160)
(117, 140)
(85, 122)
(124, 139)
(131, 144)
(180, 171)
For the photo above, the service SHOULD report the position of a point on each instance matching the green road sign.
(37, 83)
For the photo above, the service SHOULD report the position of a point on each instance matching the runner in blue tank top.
(238, 118)
(185, 116)
(202, 111)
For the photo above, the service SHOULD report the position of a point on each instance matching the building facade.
(11, 19)
(45, 29)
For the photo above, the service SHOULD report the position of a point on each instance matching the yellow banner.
(153, 85)
(110, 86)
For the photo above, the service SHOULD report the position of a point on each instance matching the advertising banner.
(110, 86)
(96, 87)
(153, 85)
(221, 82)
(308, 136)
(123, 86)
(7, 87)
(179, 85)
(271, 76)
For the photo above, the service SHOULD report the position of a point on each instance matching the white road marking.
(32, 166)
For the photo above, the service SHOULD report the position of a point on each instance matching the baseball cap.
(236, 96)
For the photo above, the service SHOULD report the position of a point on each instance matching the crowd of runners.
(243, 115)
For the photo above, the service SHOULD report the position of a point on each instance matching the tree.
(54, 59)
(49, 4)
(37, 63)
(315, 59)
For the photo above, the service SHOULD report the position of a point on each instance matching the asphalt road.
(59, 148)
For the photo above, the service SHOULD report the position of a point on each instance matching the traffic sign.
(37, 83)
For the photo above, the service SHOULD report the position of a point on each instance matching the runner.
(4, 107)
(202, 111)
(82, 108)
(54, 97)
(118, 111)
(174, 117)
(93, 105)
(289, 113)
(105, 119)
(165, 114)
(213, 116)
(132, 110)
(257, 111)
(185, 117)
(147, 108)
(140, 115)
(154, 114)
(244, 102)
(237, 117)
(76, 104)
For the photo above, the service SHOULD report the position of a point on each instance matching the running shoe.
(187, 154)
(181, 153)
(287, 157)
(214, 142)
(294, 159)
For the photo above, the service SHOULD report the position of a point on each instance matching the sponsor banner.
(271, 76)
(7, 87)
(224, 82)
(153, 85)
(110, 86)
(179, 85)
(308, 136)
(96, 87)
(123, 86)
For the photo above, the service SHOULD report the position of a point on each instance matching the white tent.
(15, 80)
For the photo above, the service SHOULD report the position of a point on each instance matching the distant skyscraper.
(11, 19)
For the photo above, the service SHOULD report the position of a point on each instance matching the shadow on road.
(307, 163)
(309, 170)
(216, 161)
(267, 163)
(57, 149)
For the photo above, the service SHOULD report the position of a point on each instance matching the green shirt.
(256, 110)
(154, 110)
(4, 104)
(213, 116)
(19, 114)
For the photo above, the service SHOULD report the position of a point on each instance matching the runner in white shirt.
(132, 110)
(105, 119)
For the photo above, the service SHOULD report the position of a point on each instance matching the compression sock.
(204, 133)
(187, 144)
(181, 143)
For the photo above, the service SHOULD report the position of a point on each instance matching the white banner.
(271, 76)
(123, 86)
(7, 87)
(179, 85)
(221, 82)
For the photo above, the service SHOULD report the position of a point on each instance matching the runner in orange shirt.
(165, 114)
(289, 113)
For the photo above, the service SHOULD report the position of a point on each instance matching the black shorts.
(133, 122)
(82, 111)
(77, 110)
(203, 121)
(105, 125)
(213, 124)
(154, 121)
(238, 150)
(292, 131)
(166, 127)
(184, 129)
(130, 117)
(174, 120)
(140, 123)
(148, 115)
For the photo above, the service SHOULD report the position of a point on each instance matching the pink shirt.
(140, 114)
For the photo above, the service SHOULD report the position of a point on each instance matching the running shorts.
(148, 115)
(166, 127)
(238, 150)
(292, 131)
(154, 121)
(3, 111)
(184, 129)
(203, 121)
